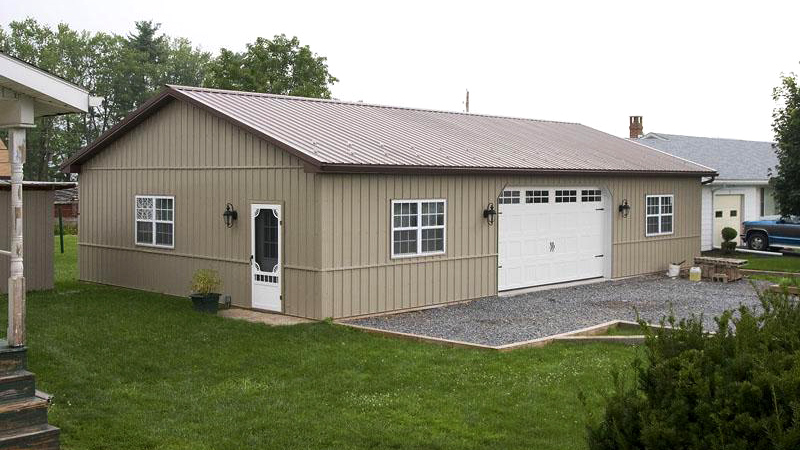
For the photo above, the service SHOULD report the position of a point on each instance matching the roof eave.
(436, 170)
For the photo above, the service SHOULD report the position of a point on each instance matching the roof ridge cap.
(347, 102)
(709, 137)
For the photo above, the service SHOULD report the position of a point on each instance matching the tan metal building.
(38, 232)
(346, 209)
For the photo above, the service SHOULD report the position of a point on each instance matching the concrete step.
(12, 359)
(17, 415)
(41, 437)
(16, 386)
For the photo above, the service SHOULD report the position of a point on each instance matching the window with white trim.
(418, 227)
(155, 220)
(508, 197)
(659, 215)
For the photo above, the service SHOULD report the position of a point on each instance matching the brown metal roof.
(338, 136)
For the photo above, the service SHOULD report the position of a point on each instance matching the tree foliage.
(738, 389)
(127, 70)
(786, 123)
(277, 66)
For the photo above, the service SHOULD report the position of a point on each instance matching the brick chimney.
(636, 128)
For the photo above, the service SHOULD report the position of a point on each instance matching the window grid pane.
(418, 227)
(155, 221)
(566, 196)
(591, 195)
(508, 197)
(537, 196)
(659, 218)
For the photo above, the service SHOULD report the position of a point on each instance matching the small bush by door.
(205, 283)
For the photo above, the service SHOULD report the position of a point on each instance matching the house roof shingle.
(333, 135)
(734, 159)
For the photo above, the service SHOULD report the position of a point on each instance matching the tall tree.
(277, 66)
(125, 71)
(786, 123)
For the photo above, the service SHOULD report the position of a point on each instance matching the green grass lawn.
(788, 263)
(134, 370)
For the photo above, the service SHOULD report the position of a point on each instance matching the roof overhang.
(39, 185)
(150, 107)
(27, 92)
(724, 182)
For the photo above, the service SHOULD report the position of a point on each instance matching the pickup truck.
(781, 232)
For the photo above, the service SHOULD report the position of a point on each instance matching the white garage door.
(550, 235)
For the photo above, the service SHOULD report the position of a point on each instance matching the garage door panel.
(550, 242)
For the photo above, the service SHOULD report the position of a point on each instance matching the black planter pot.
(208, 303)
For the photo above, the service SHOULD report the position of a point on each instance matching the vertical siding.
(37, 238)
(360, 277)
(337, 260)
(205, 163)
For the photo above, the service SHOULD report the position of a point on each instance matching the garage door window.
(418, 227)
(659, 215)
(591, 195)
(508, 197)
(537, 196)
(566, 196)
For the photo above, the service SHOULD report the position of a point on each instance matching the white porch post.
(16, 279)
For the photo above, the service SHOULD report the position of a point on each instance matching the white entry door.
(550, 235)
(265, 259)
(727, 213)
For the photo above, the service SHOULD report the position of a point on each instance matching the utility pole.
(467, 102)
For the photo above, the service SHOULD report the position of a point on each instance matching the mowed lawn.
(133, 370)
(786, 263)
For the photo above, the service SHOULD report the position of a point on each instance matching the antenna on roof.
(466, 103)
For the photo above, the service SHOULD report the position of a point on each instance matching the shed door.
(266, 255)
(550, 235)
(727, 213)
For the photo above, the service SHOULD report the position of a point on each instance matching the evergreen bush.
(738, 388)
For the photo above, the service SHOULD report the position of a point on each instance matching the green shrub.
(728, 247)
(206, 281)
(729, 234)
(736, 389)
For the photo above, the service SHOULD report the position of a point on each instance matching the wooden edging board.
(593, 334)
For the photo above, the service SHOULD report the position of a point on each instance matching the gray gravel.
(504, 320)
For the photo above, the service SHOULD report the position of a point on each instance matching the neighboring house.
(741, 191)
(5, 163)
(346, 209)
(66, 204)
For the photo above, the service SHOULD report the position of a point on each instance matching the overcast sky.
(698, 68)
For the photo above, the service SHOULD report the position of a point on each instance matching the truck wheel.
(758, 241)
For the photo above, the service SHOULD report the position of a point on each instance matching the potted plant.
(728, 236)
(205, 283)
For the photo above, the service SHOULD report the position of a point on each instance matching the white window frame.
(659, 214)
(418, 228)
(153, 221)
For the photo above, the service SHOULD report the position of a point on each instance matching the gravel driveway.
(504, 320)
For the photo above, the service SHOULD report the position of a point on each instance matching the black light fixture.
(624, 208)
(489, 213)
(230, 215)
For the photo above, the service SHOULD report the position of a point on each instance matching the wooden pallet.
(729, 267)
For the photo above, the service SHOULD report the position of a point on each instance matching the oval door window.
(266, 225)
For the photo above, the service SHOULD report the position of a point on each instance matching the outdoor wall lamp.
(624, 208)
(230, 215)
(489, 213)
